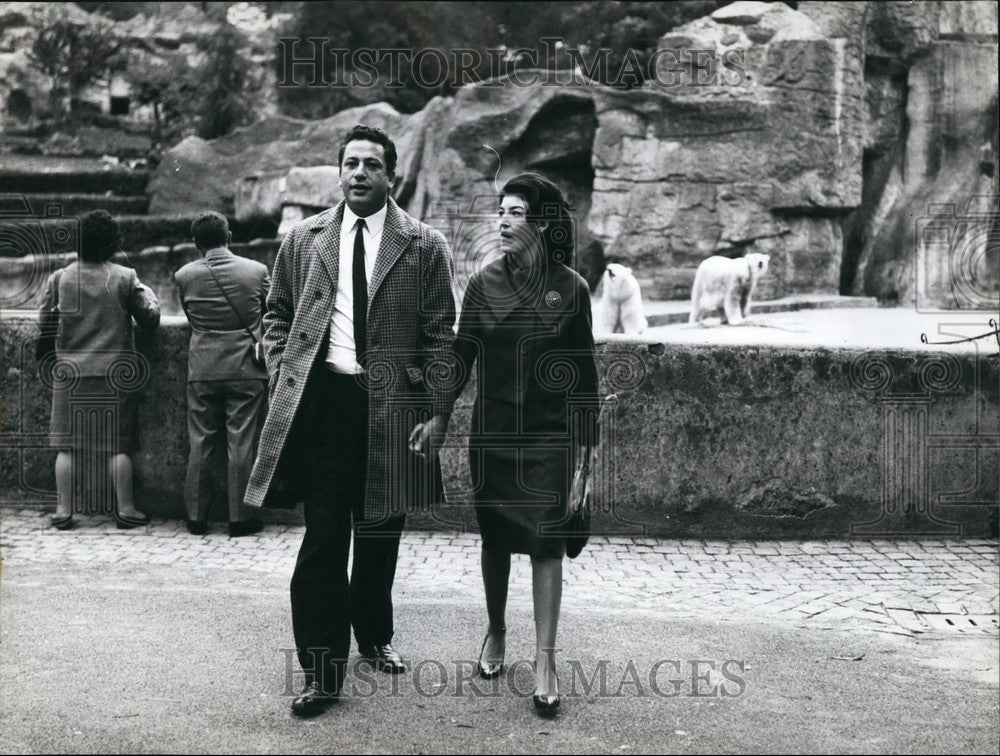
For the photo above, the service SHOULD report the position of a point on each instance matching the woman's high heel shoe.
(62, 523)
(489, 670)
(547, 706)
(127, 523)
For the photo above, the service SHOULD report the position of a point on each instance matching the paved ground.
(887, 586)
(156, 640)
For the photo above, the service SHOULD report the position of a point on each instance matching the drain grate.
(968, 624)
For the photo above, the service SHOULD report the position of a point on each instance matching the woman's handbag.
(578, 527)
(256, 347)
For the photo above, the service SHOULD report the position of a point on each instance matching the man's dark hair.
(371, 134)
(210, 230)
(98, 236)
(546, 204)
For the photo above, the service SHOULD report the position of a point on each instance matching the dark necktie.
(360, 295)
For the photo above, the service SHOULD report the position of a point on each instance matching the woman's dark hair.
(546, 204)
(98, 236)
(371, 134)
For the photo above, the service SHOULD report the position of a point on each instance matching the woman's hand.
(581, 478)
(426, 438)
(416, 442)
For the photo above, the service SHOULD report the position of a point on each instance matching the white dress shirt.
(341, 354)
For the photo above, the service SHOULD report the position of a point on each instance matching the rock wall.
(813, 135)
(924, 234)
(201, 174)
(756, 159)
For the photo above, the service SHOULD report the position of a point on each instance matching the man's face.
(364, 178)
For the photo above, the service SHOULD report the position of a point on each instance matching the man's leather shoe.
(196, 527)
(384, 658)
(245, 528)
(313, 701)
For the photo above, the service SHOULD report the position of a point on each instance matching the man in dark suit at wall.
(360, 314)
(224, 297)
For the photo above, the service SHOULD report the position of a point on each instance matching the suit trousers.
(331, 430)
(235, 408)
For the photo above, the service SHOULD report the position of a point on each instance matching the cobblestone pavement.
(895, 586)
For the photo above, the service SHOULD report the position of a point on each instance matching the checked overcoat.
(411, 315)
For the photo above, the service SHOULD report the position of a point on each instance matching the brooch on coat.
(553, 299)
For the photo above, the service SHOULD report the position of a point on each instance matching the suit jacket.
(411, 314)
(91, 307)
(220, 346)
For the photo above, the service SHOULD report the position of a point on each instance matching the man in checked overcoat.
(357, 334)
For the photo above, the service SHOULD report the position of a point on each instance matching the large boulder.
(200, 174)
(293, 194)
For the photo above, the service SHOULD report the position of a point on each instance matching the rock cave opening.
(886, 95)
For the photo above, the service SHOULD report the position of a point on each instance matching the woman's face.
(518, 235)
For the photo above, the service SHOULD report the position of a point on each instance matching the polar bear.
(619, 309)
(726, 283)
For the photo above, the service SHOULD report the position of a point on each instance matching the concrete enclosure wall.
(708, 442)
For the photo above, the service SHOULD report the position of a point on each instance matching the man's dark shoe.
(196, 527)
(313, 701)
(384, 658)
(245, 528)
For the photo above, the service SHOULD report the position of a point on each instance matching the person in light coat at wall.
(86, 352)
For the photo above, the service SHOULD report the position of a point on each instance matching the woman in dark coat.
(526, 323)
(87, 315)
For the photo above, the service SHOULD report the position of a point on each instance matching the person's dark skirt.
(521, 482)
(90, 413)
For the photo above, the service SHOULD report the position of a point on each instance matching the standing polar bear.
(619, 309)
(726, 283)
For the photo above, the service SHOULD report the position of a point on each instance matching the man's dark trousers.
(332, 426)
